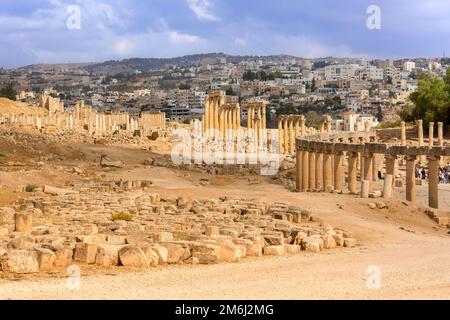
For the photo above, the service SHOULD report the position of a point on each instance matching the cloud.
(201, 8)
(176, 37)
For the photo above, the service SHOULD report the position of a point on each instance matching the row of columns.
(212, 106)
(290, 127)
(322, 168)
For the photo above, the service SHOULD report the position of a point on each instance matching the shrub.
(124, 215)
(31, 188)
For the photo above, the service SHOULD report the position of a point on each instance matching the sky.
(63, 31)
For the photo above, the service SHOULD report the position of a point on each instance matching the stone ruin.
(133, 227)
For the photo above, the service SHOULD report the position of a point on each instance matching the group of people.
(444, 173)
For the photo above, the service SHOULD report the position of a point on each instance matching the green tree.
(313, 85)
(8, 92)
(313, 119)
(431, 99)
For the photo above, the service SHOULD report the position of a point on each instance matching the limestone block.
(151, 255)
(292, 248)
(107, 255)
(176, 252)
(85, 252)
(23, 222)
(21, 243)
(46, 259)
(206, 253)
(58, 191)
(133, 256)
(278, 250)
(20, 261)
(63, 257)
(349, 242)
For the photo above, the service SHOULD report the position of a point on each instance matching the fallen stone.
(107, 255)
(20, 261)
(46, 259)
(133, 256)
(85, 252)
(278, 250)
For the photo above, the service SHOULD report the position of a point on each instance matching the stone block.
(85, 252)
(20, 261)
(278, 250)
(133, 256)
(46, 259)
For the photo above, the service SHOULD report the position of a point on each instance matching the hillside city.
(367, 90)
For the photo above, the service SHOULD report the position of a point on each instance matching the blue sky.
(35, 31)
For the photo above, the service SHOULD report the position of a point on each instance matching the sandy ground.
(413, 254)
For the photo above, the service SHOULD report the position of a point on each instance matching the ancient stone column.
(291, 135)
(365, 185)
(387, 187)
(327, 168)
(298, 167)
(329, 125)
(375, 167)
(264, 116)
(319, 171)
(391, 167)
(367, 174)
(403, 133)
(433, 182)
(420, 132)
(280, 135)
(216, 112)
(312, 171)
(440, 134)
(431, 134)
(411, 178)
(338, 172)
(352, 172)
(302, 125)
(206, 116)
(297, 126)
(286, 134)
(305, 169)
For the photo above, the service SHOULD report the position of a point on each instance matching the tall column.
(411, 178)
(206, 116)
(298, 168)
(280, 135)
(263, 106)
(312, 170)
(211, 113)
(375, 167)
(291, 135)
(420, 132)
(433, 182)
(440, 134)
(431, 134)
(391, 167)
(285, 135)
(403, 133)
(327, 168)
(297, 126)
(367, 175)
(338, 172)
(319, 171)
(302, 125)
(352, 172)
(305, 169)
(216, 112)
(249, 116)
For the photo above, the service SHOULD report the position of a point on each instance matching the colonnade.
(323, 160)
